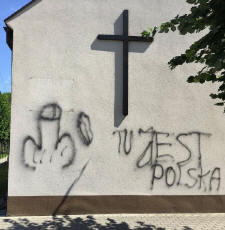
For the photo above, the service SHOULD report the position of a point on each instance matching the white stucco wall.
(57, 59)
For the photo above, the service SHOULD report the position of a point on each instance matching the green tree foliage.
(208, 15)
(5, 104)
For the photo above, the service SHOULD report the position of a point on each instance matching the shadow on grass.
(89, 222)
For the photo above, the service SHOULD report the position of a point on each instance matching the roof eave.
(20, 10)
(9, 36)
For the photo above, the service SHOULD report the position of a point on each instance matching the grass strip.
(3, 155)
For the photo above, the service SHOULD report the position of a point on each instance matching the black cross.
(125, 38)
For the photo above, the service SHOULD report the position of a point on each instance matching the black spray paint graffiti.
(123, 137)
(176, 173)
(153, 147)
(188, 172)
(84, 128)
(51, 147)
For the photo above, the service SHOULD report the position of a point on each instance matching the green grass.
(3, 155)
(3, 179)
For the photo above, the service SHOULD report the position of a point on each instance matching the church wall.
(68, 135)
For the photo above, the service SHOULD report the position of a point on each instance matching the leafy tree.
(208, 15)
(5, 104)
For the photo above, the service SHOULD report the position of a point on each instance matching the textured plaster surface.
(57, 60)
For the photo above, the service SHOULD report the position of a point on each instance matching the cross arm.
(140, 39)
(110, 37)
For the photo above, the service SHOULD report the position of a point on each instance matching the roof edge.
(20, 10)
(8, 29)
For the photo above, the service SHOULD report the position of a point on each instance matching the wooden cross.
(125, 38)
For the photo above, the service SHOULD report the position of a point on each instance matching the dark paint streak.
(70, 188)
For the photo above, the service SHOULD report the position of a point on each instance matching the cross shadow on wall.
(117, 48)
